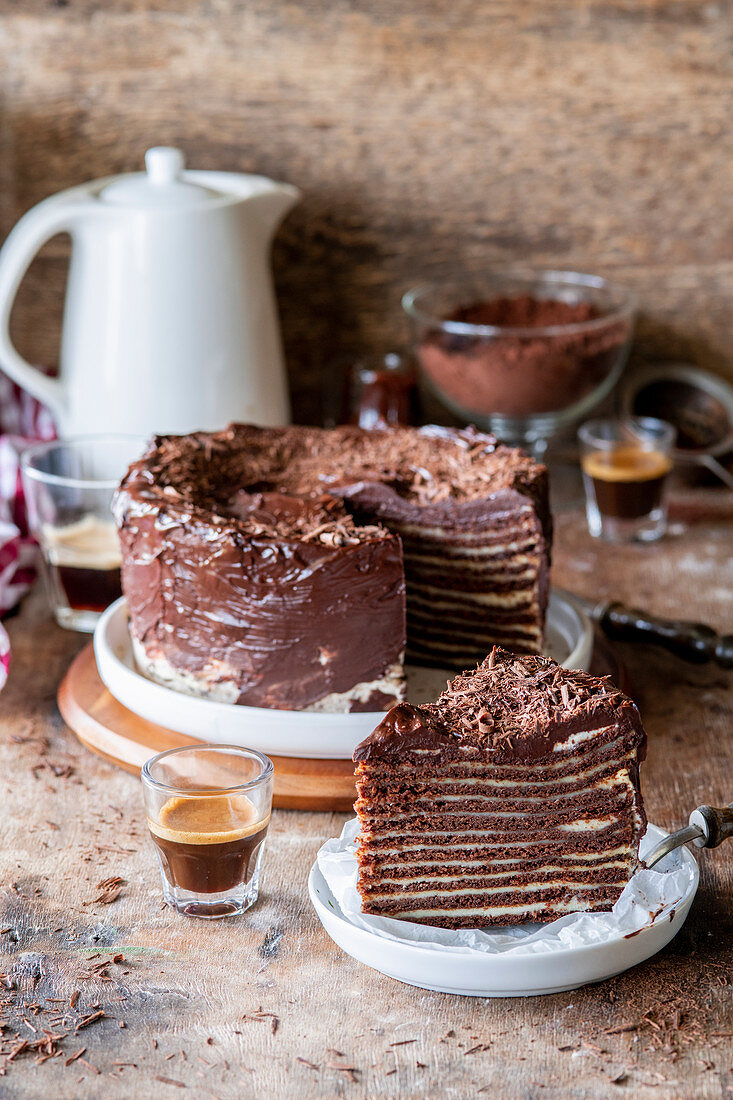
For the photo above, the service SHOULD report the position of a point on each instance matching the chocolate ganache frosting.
(265, 565)
(516, 709)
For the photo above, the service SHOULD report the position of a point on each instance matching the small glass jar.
(376, 391)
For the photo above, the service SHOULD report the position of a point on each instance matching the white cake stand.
(303, 734)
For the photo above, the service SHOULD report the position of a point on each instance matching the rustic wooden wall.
(428, 137)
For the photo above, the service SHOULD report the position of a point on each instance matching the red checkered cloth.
(22, 421)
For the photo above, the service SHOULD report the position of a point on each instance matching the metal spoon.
(709, 826)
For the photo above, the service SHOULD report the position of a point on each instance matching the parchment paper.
(648, 897)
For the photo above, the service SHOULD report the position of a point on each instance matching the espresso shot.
(625, 466)
(208, 810)
(208, 844)
(628, 481)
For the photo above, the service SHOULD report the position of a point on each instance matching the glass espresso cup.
(625, 464)
(68, 486)
(208, 809)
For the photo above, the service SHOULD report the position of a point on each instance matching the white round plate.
(301, 733)
(517, 974)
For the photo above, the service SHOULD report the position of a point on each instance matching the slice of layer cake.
(515, 797)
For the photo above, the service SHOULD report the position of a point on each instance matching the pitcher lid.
(160, 185)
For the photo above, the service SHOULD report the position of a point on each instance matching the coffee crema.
(627, 480)
(208, 843)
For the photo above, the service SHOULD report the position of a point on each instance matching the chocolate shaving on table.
(109, 890)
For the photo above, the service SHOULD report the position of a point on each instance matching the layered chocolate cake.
(288, 567)
(514, 797)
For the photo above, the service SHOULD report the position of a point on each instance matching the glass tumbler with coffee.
(68, 486)
(625, 464)
(208, 810)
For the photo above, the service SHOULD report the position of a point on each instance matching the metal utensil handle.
(694, 642)
(716, 823)
(718, 469)
(709, 826)
(670, 843)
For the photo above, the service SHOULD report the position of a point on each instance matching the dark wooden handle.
(691, 641)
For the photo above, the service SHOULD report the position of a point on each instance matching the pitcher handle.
(23, 242)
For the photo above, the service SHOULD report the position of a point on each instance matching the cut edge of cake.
(514, 797)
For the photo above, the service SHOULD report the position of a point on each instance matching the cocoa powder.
(517, 374)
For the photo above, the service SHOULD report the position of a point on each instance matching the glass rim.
(665, 433)
(552, 276)
(227, 750)
(36, 450)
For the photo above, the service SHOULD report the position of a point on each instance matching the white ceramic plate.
(286, 732)
(517, 974)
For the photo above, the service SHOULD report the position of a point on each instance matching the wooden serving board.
(120, 736)
(112, 731)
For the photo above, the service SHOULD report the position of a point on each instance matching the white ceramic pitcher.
(170, 320)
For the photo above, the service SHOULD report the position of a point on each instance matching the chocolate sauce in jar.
(380, 394)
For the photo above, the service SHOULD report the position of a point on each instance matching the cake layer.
(430, 848)
(440, 889)
(456, 582)
(504, 909)
(467, 916)
(474, 864)
(449, 651)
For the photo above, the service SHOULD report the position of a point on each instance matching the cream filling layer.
(467, 873)
(526, 800)
(621, 849)
(471, 891)
(522, 599)
(574, 905)
(560, 862)
(448, 780)
(475, 563)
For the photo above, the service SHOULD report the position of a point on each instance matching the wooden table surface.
(266, 1005)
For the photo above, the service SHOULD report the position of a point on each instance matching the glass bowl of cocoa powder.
(521, 352)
